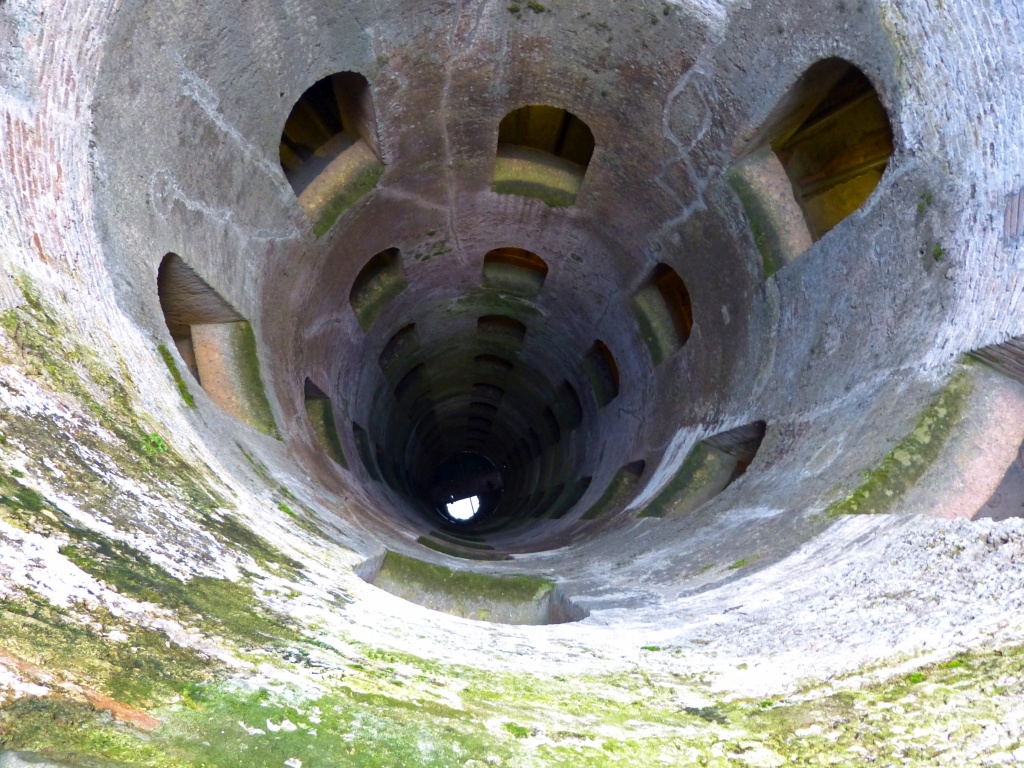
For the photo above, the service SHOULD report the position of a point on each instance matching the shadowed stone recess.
(709, 312)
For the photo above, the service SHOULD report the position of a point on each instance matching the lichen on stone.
(885, 484)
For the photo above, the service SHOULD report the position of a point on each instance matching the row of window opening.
(816, 160)
(330, 150)
(662, 304)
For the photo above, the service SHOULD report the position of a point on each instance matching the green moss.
(549, 195)
(71, 467)
(762, 226)
(354, 730)
(372, 297)
(655, 324)
(321, 417)
(513, 278)
(142, 670)
(65, 729)
(516, 730)
(738, 564)
(907, 462)
(257, 408)
(168, 359)
(242, 538)
(532, 173)
(70, 368)
(432, 250)
(436, 578)
(227, 727)
(476, 304)
(219, 606)
(28, 499)
(617, 493)
(383, 714)
(153, 444)
(345, 197)
(704, 473)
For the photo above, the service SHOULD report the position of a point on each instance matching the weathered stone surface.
(172, 561)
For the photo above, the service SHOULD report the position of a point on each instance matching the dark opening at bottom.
(466, 486)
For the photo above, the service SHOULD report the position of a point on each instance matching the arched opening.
(321, 417)
(568, 407)
(377, 283)
(662, 307)
(569, 498)
(329, 149)
(543, 152)
(711, 466)
(502, 329)
(515, 270)
(817, 160)
(399, 350)
(602, 372)
(466, 486)
(215, 342)
(365, 451)
(619, 491)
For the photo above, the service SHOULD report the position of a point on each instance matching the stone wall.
(168, 569)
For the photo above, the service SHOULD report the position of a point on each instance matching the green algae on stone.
(72, 369)
(762, 226)
(347, 729)
(219, 606)
(179, 382)
(705, 472)
(513, 588)
(166, 474)
(344, 196)
(320, 413)
(67, 729)
(257, 407)
(631, 717)
(379, 282)
(21, 497)
(618, 491)
(911, 457)
(226, 608)
(226, 726)
(507, 599)
(654, 323)
(533, 173)
(140, 667)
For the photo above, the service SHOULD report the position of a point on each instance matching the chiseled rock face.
(186, 584)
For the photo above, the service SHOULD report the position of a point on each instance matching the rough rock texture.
(180, 589)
